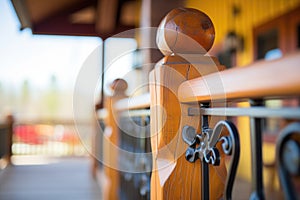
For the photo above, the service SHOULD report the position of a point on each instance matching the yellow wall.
(252, 13)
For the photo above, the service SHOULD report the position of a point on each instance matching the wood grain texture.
(185, 30)
(110, 150)
(177, 178)
(260, 80)
(131, 103)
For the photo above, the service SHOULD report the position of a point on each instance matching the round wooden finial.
(186, 31)
(119, 85)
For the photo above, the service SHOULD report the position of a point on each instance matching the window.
(281, 33)
(272, 40)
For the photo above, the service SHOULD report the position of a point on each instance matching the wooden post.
(184, 36)
(111, 142)
(10, 123)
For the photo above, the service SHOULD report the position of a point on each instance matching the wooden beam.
(61, 26)
(63, 8)
(22, 13)
(106, 15)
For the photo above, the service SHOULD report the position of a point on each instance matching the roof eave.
(22, 13)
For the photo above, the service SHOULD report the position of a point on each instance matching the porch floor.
(63, 179)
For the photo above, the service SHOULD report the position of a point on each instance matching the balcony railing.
(265, 80)
(50, 138)
(125, 135)
(195, 133)
(201, 137)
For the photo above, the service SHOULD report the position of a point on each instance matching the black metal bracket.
(288, 158)
(202, 146)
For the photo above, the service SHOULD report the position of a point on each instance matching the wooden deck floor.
(66, 179)
(70, 179)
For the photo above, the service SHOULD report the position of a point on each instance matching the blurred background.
(44, 45)
(36, 85)
(37, 78)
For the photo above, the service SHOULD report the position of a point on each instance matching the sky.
(36, 59)
(24, 56)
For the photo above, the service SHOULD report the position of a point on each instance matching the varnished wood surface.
(185, 30)
(168, 116)
(136, 102)
(260, 80)
(110, 146)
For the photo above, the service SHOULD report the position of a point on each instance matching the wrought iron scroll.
(288, 159)
(203, 146)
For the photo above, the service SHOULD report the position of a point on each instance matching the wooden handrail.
(67, 122)
(131, 103)
(263, 79)
(102, 113)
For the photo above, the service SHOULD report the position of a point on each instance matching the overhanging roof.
(103, 18)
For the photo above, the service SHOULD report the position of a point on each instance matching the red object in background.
(28, 134)
(70, 138)
(39, 134)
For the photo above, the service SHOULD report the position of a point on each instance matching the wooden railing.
(123, 147)
(134, 103)
(255, 83)
(50, 137)
(263, 79)
(196, 102)
(135, 158)
(6, 132)
(195, 135)
(192, 98)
